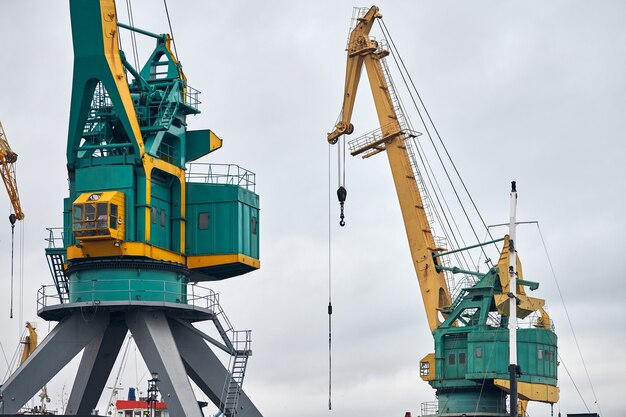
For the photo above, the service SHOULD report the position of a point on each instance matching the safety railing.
(434, 408)
(55, 237)
(221, 174)
(129, 290)
(191, 97)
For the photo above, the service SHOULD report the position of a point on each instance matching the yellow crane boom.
(7, 171)
(391, 138)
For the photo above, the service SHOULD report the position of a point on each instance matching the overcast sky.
(530, 91)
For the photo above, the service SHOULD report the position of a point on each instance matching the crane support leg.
(94, 369)
(206, 370)
(154, 339)
(65, 341)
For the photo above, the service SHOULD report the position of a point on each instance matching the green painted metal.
(233, 220)
(471, 350)
(128, 284)
(490, 401)
(104, 154)
(450, 252)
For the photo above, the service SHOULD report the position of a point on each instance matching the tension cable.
(330, 305)
(12, 219)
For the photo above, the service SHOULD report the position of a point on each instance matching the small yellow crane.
(30, 342)
(7, 171)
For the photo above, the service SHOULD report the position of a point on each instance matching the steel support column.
(154, 339)
(206, 370)
(94, 369)
(65, 341)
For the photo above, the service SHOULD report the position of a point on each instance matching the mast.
(513, 367)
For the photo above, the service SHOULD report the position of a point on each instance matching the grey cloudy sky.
(532, 91)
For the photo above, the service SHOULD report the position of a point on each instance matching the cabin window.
(162, 218)
(153, 215)
(478, 352)
(203, 221)
(113, 217)
(90, 219)
(424, 368)
(462, 358)
(254, 224)
(451, 359)
(539, 354)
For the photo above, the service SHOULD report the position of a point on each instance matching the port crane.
(469, 368)
(7, 171)
(143, 224)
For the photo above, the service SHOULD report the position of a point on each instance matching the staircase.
(55, 257)
(234, 382)
(238, 343)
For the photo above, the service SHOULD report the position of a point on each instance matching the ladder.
(234, 382)
(238, 343)
(55, 260)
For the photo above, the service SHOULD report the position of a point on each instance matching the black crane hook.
(341, 195)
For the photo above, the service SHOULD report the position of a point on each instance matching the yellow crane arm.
(7, 171)
(364, 51)
(30, 342)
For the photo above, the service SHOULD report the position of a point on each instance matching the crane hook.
(341, 195)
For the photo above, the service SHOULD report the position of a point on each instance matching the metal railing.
(53, 239)
(432, 408)
(221, 174)
(196, 296)
(191, 97)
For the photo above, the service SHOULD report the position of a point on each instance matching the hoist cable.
(133, 35)
(569, 320)
(12, 252)
(330, 305)
(574, 383)
(21, 264)
(167, 12)
(432, 179)
(382, 23)
(417, 108)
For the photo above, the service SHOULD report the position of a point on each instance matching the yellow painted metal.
(30, 342)
(202, 261)
(214, 141)
(112, 53)
(99, 216)
(427, 367)
(7, 171)
(528, 391)
(363, 50)
(544, 320)
(100, 248)
(526, 305)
